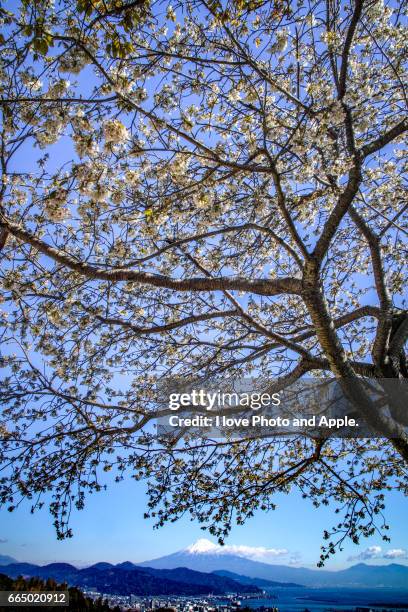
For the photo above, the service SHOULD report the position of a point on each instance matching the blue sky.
(112, 528)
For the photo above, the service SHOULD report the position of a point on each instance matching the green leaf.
(40, 45)
(149, 214)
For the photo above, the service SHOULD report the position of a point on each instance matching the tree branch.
(158, 329)
(385, 139)
(358, 6)
(262, 286)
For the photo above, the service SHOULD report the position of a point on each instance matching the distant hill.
(213, 582)
(207, 557)
(102, 565)
(6, 560)
(133, 580)
(126, 565)
(259, 582)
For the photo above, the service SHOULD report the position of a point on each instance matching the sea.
(296, 599)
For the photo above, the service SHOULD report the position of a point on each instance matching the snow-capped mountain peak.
(259, 553)
(203, 546)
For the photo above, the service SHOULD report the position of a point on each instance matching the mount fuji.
(203, 546)
(235, 562)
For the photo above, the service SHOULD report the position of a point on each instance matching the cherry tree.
(204, 189)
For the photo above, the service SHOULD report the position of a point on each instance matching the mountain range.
(6, 559)
(127, 578)
(204, 556)
(204, 568)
